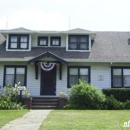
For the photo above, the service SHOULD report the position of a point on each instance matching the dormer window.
(18, 41)
(78, 42)
(55, 41)
(42, 41)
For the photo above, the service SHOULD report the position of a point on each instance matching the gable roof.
(79, 31)
(21, 29)
(16, 30)
(50, 55)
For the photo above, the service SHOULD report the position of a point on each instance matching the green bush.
(112, 104)
(9, 98)
(127, 104)
(85, 96)
(121, 94)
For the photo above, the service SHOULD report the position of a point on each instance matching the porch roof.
(49, 54)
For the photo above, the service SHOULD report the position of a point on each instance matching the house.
(49, 62)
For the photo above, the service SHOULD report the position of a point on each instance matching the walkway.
(30, 121)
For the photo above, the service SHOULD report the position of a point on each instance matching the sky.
(93, 15)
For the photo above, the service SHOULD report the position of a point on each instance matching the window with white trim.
(78, 42)
(18, 41)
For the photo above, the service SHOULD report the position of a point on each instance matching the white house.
(49, 62)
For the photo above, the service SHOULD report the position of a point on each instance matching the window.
(15, 74)
(55, 41)
(78, 42)
(120, 77)
(42, 41)
(76, 73)
(18, 41)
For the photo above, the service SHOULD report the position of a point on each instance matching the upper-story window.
(55, 41)
(78, 42)
(42, 41)
(18, 41)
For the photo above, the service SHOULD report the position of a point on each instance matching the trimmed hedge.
(121, 94)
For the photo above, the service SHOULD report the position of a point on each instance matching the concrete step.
(45, 102)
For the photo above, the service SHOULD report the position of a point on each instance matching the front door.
(48, 82)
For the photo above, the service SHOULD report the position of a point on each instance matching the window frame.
(122, 81)
(55, 37)
(15, 67)
(78, 67)
(78, 42)
(42, 37)
(18, 41)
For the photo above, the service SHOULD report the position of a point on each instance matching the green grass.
(8, 115)
(85, 120)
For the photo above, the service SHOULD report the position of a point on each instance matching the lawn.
(85, 120)
(8, 115)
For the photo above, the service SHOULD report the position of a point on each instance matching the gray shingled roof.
(111, 46)
(21, 29)
(2, 39)
(107, 47)
(78, 30)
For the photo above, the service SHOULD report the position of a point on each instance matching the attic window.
(18, 41)
(78, 42)
(55, 41)
(42, 41)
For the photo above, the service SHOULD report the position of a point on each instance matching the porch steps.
(45, 102)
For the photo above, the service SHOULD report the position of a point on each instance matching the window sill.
(80, 50)
(17, 49)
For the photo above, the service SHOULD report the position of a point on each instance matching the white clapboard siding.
(61, 85)
(1, 77)
(35, 40)
(33, 85)
(101, 76)
(102, 70)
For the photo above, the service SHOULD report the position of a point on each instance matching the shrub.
(9, 98)
(112, 104)
(85, 96)
(121, 94)
(127, 104)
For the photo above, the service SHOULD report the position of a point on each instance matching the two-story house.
(49, 62)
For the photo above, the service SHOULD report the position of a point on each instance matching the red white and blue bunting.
(47, 66)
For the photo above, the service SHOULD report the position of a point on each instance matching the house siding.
(100, 76)
(98, 70)
(61, 85)
(1, 76)
(35, 40)
(33, 85)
